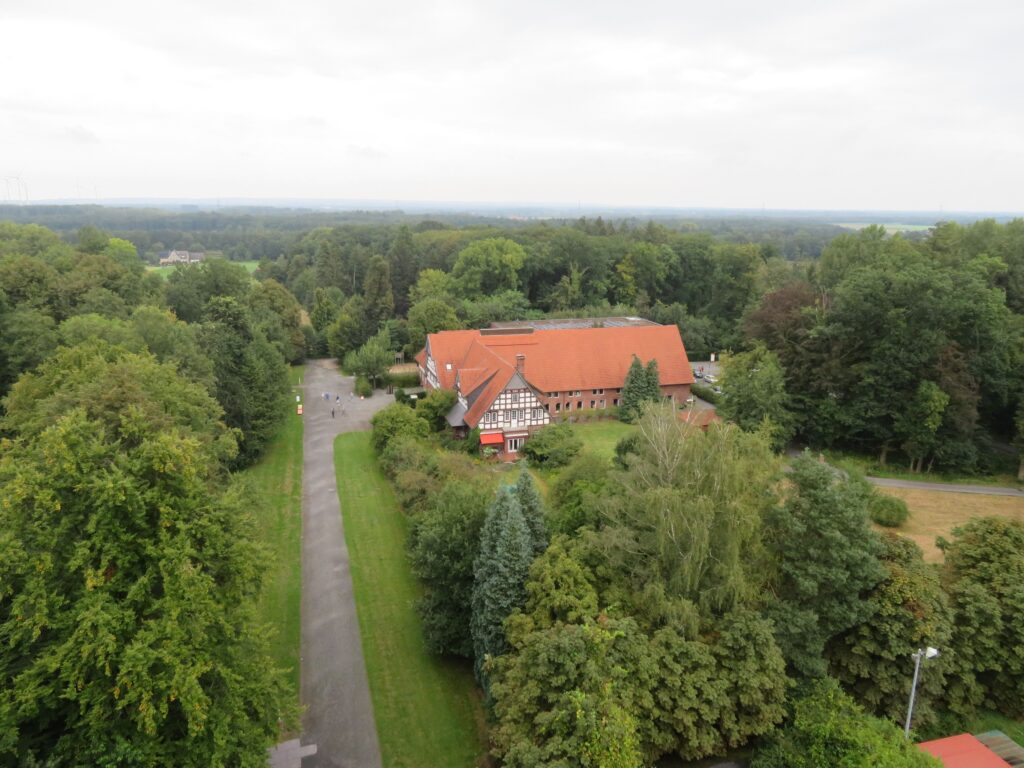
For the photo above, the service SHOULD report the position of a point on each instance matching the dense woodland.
(685, 598)
(129, 566)
(690, 598)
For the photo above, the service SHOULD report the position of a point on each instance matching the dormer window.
(447, 366)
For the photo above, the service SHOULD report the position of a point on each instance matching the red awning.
(494, 438)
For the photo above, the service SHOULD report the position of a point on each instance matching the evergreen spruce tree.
(652, 381)
(533, 509)
(633, 391)
(499, 577)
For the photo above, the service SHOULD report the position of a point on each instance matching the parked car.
(710, 379)
(698, 374)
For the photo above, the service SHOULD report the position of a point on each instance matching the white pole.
(913, 689)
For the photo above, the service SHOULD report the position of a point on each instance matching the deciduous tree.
(826, 557)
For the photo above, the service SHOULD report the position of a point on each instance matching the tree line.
(130, 567)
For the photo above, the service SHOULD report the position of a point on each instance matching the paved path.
(990, 490)
(339, 714)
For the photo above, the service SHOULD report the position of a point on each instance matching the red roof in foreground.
(963, 751)
(700, 419)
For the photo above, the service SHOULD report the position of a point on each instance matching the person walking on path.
(332, 413)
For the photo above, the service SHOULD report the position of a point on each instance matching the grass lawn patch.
(166, 271)
(277, 479)
(600, 437)
(937, 513)
(428, 710)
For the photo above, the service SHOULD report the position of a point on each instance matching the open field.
(600, 437)
(428, 711)
(277, 479)
(164, 272)
(935, 513)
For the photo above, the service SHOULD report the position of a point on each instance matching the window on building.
(568, 406)
(615, 401)
(513, 444)
(602, 404)
(598, 391)
(558, 407)
(579, 406)
(447, 366)
(592, 403)
(578, 393)
(515, 397)
(552, 394)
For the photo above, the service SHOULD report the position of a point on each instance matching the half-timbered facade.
(510, 382)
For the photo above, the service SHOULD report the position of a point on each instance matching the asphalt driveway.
(339, 715)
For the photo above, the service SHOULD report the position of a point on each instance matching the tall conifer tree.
(533, 509)
(499, 577)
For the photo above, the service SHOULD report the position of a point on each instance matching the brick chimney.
(521, 364)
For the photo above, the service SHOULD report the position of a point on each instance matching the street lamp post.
(922, 653)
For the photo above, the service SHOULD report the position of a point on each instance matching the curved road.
(339, 715)
(990, 490)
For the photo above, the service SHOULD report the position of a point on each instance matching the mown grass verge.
(427, 710)
(277, 479)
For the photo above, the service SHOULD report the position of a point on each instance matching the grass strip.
(427, 710)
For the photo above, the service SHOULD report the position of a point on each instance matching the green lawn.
(278, 482)
(428, 711)
(600, 437)
(164, 272)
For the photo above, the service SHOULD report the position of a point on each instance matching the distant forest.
(254, 233)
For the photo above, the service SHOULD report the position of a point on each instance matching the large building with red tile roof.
(512, 381)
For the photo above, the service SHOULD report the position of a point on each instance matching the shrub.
(363, 388)
(630, 444)
(829, 728)
(404, 379)
(705, 392)
(575, 493)
(435, 407)
(408, 452)
(401, 397)
(886, 510)
(553, 446)
(393, 421)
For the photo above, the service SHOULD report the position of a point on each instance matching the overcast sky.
(870, 104)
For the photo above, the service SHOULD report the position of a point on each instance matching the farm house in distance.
(512, 380)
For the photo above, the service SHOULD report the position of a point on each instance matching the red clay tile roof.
(700, 418)
(963, 751)
(554, 360)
